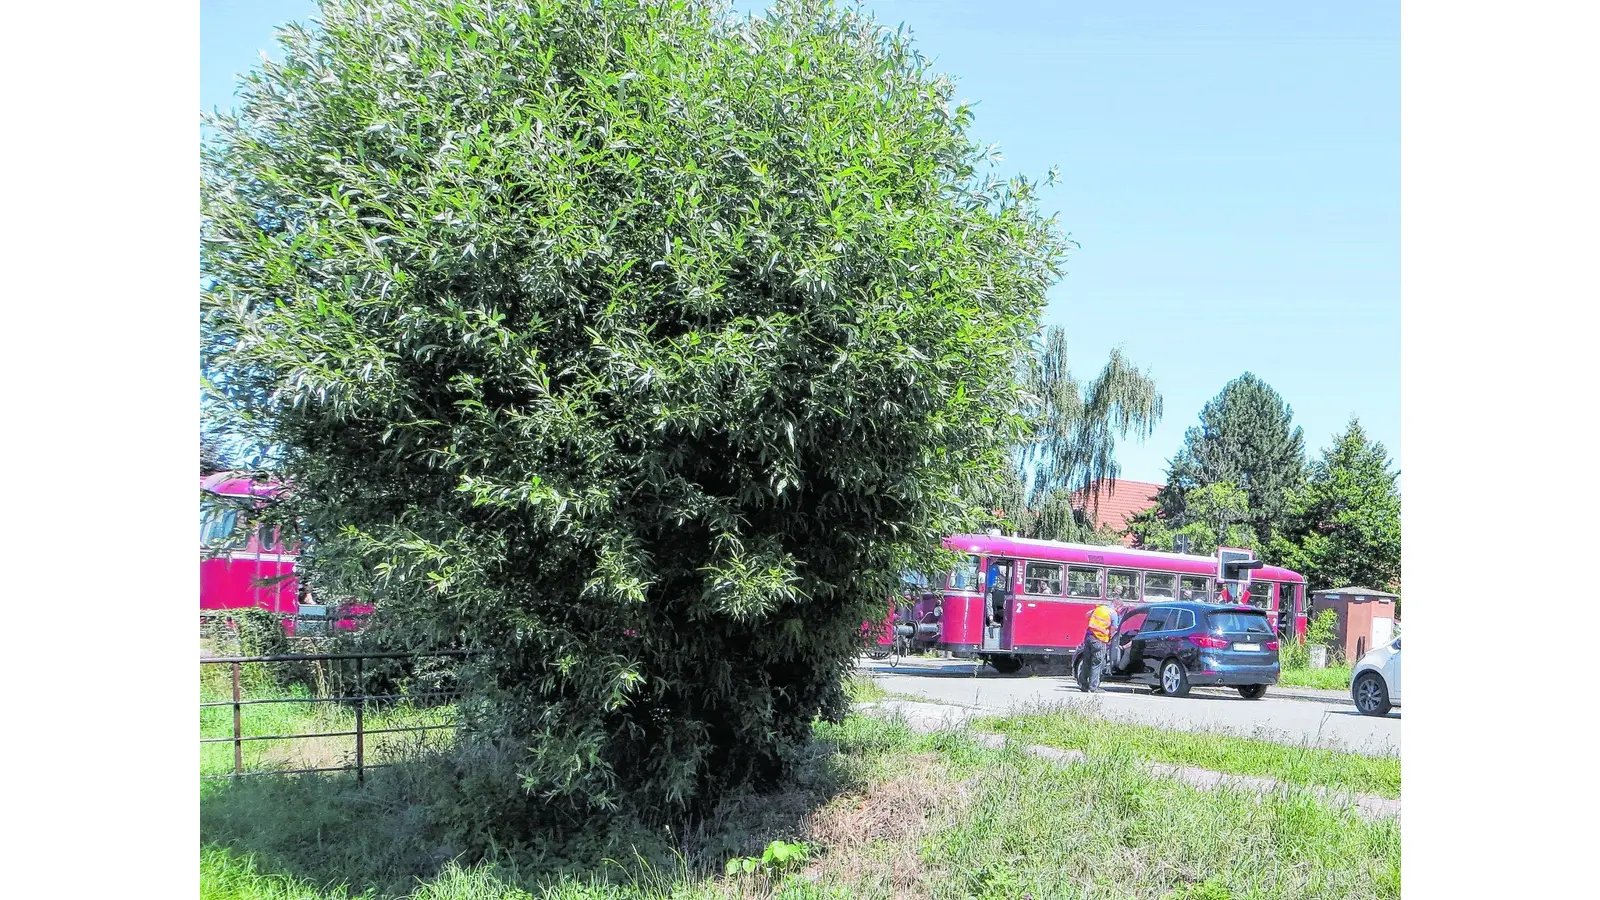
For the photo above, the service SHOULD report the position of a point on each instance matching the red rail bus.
(257, 571)
(1016, 599)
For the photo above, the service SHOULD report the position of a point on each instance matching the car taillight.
(1271, 645)
(1208, 642)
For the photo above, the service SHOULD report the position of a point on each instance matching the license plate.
(1247, 647)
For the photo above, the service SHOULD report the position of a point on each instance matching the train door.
(1288, 612)
(1001, 590)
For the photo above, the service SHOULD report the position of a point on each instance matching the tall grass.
(890, 813)
(1333, 678)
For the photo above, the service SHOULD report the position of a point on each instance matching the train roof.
(1113, 556)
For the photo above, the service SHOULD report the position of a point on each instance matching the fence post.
(238, 745)
(361, 708)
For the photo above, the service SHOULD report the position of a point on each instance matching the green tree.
(1069, 446)
(634, 344)
(1246, 437)
(1216, 515)
(1345, 523)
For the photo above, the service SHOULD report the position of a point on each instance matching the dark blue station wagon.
(1172, 646)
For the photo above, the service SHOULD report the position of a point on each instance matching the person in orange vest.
(1102, 627)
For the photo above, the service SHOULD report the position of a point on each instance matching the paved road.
(1289, 721)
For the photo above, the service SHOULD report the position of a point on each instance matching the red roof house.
(1119, 502)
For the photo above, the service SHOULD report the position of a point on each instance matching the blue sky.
(1231, 170)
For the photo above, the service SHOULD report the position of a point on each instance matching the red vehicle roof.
(1114, 557)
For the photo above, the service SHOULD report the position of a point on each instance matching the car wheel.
(1080, 673)
(1005, 665)
(1174, 678)
(1252, 691)
(1371, 694)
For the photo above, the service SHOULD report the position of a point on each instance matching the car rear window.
(1238, 622)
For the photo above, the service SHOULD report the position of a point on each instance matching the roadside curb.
(930, 717)
(1305, 694)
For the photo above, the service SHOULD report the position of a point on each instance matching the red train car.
(254, 570)
(1017, 598)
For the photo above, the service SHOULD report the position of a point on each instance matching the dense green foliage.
(1239, 481)
(1215, 515)
(1323, 629)
(1343, 526)
(634, 344)
(1246, 437)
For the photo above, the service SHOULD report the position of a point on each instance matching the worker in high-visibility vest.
(1102, 628)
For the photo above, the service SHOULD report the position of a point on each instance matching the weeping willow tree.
(1070, 445)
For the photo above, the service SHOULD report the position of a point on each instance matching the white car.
(1375, 682)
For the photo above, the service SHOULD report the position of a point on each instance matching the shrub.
(1323, 630)
(634, 344)
(261, 633)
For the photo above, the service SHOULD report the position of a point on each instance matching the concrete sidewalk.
(929, 717)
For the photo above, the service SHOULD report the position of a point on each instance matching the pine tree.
(1246, 437)
(1344, 525)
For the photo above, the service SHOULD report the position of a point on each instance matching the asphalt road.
(1296, 722)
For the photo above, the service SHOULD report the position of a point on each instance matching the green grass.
(889, 813)
(305, 718)
(1107, 829)
(1309, 766)
(1333, 678)
(865, 690)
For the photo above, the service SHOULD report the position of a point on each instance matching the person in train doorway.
(1102, 629)
(996, 593)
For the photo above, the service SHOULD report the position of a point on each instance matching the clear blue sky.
(1231, 170)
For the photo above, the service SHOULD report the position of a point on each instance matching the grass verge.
(887, 812)
(1333, 678)
(1308, 766)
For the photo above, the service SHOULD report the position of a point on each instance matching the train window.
(1195, 588)
(1122, 585)
(966, 577)
(216, 525)
(1042, 578)
(1286, 602)
(913, 581)
(1261, 595)
(1158, 586)
(1083, 581)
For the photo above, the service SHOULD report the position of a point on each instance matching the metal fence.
(333, 687)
